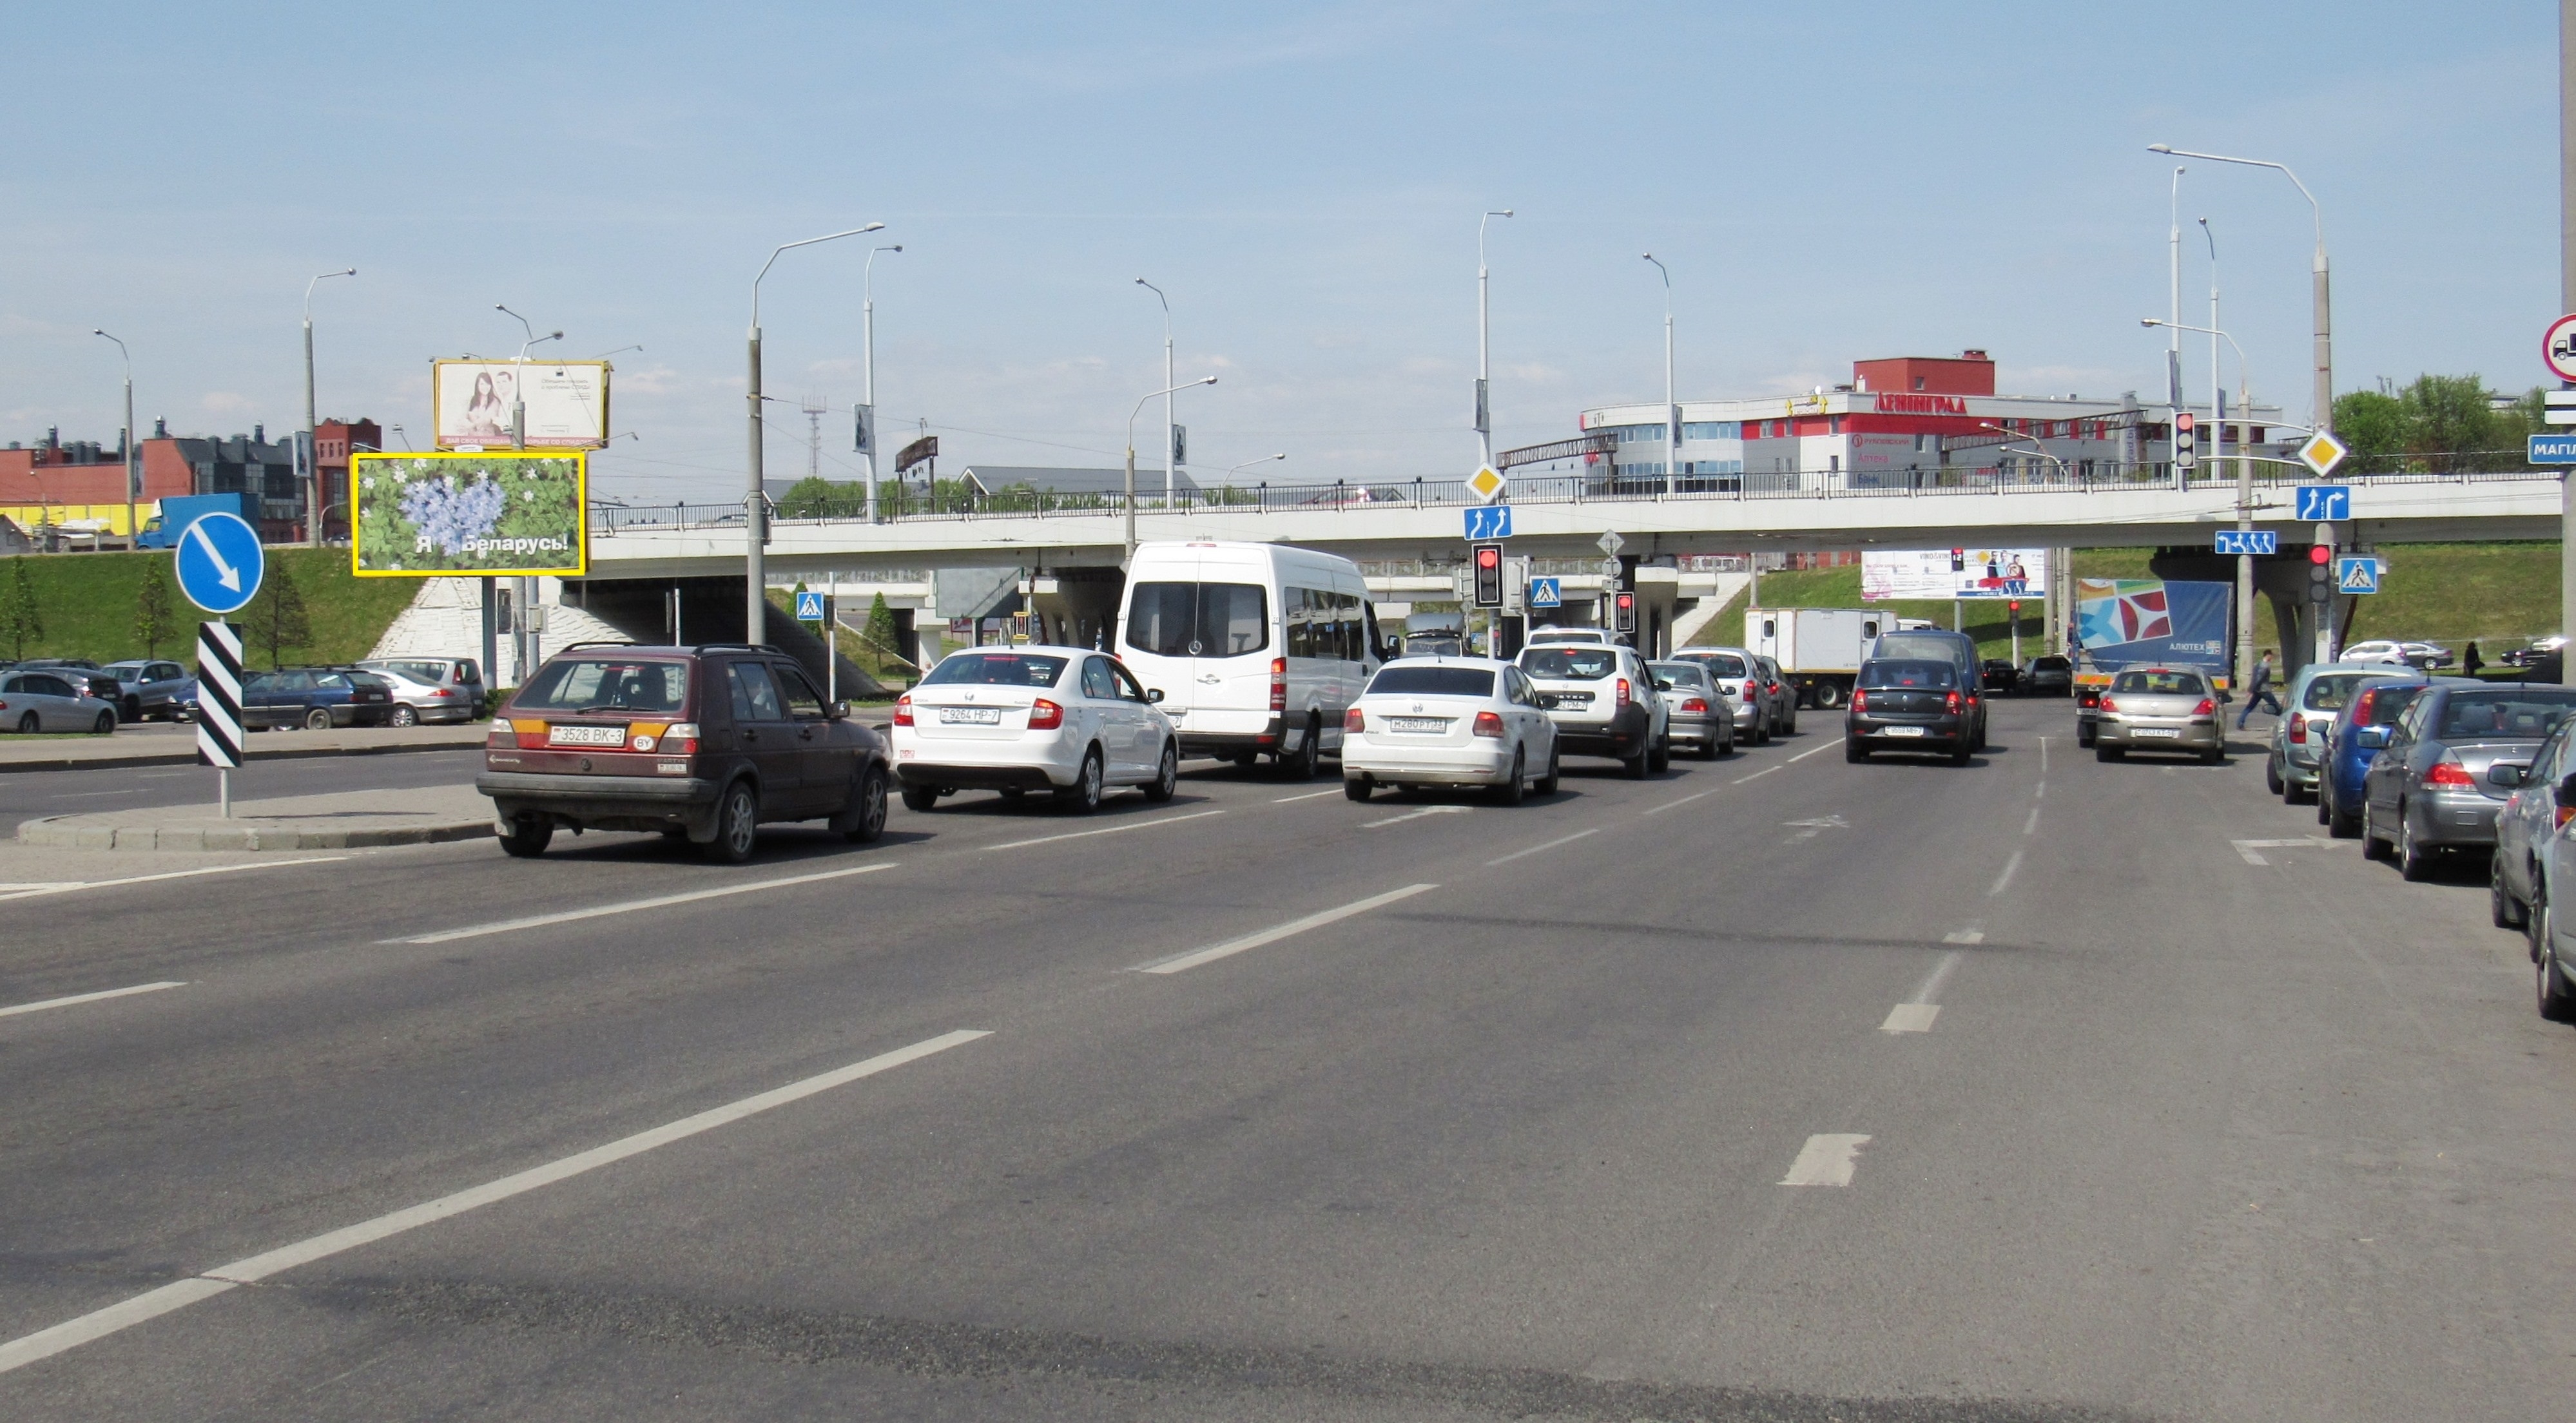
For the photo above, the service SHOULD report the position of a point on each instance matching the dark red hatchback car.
(705, 742)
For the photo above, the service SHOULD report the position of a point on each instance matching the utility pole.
(523, 638)
(312, 456)
(2173, 338)
(814, 410)
(2241, 666)
(1484, 382)
(132, 450)
(1171, 483)
(2566, 290)
(868, 367)
(755, 502)
(1672, 411)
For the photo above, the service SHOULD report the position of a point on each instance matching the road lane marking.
(69, 886)
(632, 906)
(2040, 791)
(1826, 1160)
(1179, 962)
(1910, 1018)
(41, 1005)
(2031, 826)
(1676, 804)
(1415, 815)
(71, 1334)
(1929, 990)
(1767, 770)
(1810, 751)
(1550, 845)
(2043, 755)
(1310, 795)
(2005, 878)
(1964, 936)
(96, 795)
(1111, 830)
(2251, 849)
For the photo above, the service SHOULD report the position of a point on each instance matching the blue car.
(2357, 734)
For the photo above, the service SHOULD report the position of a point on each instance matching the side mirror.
(1547, 701)
(1153, 694)
(2567, 791)
(837, 711)
(2508, 774)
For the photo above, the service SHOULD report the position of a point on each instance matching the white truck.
(1819, 649)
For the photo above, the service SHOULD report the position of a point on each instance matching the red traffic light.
(2013, 606)
(1627, 601)
(1488, 556)
(2319, 553)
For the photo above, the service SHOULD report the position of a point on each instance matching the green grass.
(87, 603)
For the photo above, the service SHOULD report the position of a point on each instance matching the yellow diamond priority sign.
(2322, 453)
(1485, 484)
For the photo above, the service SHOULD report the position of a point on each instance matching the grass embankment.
(87, 601)
(2501, 595)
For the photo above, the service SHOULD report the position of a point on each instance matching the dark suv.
(701, 742)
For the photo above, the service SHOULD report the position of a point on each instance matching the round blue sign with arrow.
(220, 562)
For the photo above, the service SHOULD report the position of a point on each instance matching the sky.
(1305, 182)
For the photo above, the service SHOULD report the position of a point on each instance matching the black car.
(1956, 648)
(315, 698)
(2050, 676)
(1909, 704)
(1999, 675)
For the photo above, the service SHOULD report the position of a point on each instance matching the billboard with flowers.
(438, 515)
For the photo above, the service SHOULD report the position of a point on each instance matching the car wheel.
(2556, 1003)
(402, 716)
(1167, 776)
(1660, 759)
(863, 818)
(317, 720)
(2214, 756)
(737, 824)
(133, 710)
(2325, 800)
(1959, 755)
(1707, 750)
(2342, 824)
(2535, 919)
(2502, 907)
(105, 724)
(2107, 753)
(1761, 731)
(1636, 765)
(1513, 789)
(1548, 783)
(1308, 757)
(528, 837)
(2413, 860)
(2084, 734)
(1083, 796)
(27, 724)
(1853, 751)
(920, 797)
(2272, 775)
(1357, 788)
(2372, 847)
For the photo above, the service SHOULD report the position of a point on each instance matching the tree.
(815, 497)
(154, 619)
(2450, 420)
(20, 618)
(275, 618)
(2374, 427)
(880, 632)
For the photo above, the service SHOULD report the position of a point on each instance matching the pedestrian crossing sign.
(2357, 574)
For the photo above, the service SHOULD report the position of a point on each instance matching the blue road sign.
(1546, 593)
(2325, 503)
(2357, 573)
(809, 607)
(1488, 521)
(2552, 449)
(2261, 542)
(220, 563)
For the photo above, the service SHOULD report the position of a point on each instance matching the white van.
(1257, 649)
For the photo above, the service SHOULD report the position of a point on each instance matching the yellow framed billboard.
(473, 403)
(511, 513)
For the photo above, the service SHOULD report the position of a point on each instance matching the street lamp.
(522, 638)
(1484, 406)
(518, 376)
(1170, 455)
(868, 363)
(1247, 464)
(1672, 413)
(2173, 341)
(2244, 669)
(1131, 458)
(133, 446)
(2036, 447)
(2323, 391)
(622, 350)
(755, 507)
(312, 456)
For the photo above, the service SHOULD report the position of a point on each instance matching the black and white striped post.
(219, 715)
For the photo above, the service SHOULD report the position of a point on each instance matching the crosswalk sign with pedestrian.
(2357, 574)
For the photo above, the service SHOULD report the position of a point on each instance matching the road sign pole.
(2566, 291)
(219, 720)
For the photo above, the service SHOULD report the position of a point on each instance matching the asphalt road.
(25, 795)
(1435, 1113)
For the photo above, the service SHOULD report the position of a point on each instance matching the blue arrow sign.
(2357, 574)
(1546, 593)
(2325, 503)
(2552, 449)
(809, 607)
(2259, 542)
(1488, 521)
(220, 563)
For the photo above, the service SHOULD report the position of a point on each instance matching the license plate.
(1418, 725)
(970, 716)
(1905, 731)
(2155, 733)
(1572, 699)
(586, 736)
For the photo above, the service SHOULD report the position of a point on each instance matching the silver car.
(2159, 709)
(1695, 709)
(40, 700)
(455, 687)
(148, 688)
(2316, 697)
(2432, 789)
(2524, 826)
(1732, 669)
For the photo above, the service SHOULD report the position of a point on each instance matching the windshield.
(1198, 619)
(1944, 647)
(2330, 691)
(602, 684)
(1909, 672)
(2160, 684)
(1576, 663)
(996, 669)
(1433, 682)
(2525, 713)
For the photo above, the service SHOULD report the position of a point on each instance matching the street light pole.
(523, 638)
(2243, 666)
(1131, 460)
(755, 503)
(133, 446)
(1247, 464)
(2322, 392)
(1672, 412)
(2173, 340)
(312, 456)
(1170, 481)
(868, 362)
(1484, 383)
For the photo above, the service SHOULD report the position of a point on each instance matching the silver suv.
(1604, 703)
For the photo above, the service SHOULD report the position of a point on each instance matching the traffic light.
(2321, 579)
(2186, 441)
(1623, 613)
(2013, 607)
(1489, 575)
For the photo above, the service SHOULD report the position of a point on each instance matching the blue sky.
(1304, 181)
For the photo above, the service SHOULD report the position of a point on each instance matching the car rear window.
(2051, 664)
(1669, 675)
(1921, 646)
(1908, 672)
(2160, 684)
(1198, 619)
(997, 669)
(1433, 682)
(600, 684)
(1575, 663)
(2380, 706)
(2526, 712)
(2331, 691)
(1722, 664)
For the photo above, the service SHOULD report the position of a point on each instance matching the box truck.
(1819, 649)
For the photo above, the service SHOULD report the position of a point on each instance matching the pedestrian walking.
(2259, 689)
(2470, 661)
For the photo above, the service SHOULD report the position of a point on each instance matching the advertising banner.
(1946, 573)
(2125, 621)
(511, 513)
(474, 401)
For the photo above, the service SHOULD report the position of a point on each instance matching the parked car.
(1449, 721)
(315, 698)
(1956, 648)
(1779, 699)
(421, 696)
(2532, 815)
(1603, 703)
(2353, 740)
(1064, 720)
(45, 699)
(88, 676)
(2410, 654)
(2050, 676)
(1909, 704)
(2317, 693)
(2430, 790)
(2001, 677)
(2536, 653)
(148, 689)
(1740, 684)
(2160, 709)
(461, 677)
(1696, 711)
(703, 743)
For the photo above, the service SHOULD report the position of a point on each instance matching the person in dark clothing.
(2259, 689)
(2470, 661)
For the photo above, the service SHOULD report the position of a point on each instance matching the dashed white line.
(68, 886)
(2251, 849)
(41, 1005)
(1676, 804)
(1415, 815)
(1550, 845)
(2031, 826)
(1310, 795)
(1826, 1160)
(1910, 1018)
(2043, 755)
(1179, 962)
(2040, 791)
(1767, 770)
(631, 906)
(1156, 822)
(71, 1334)
(1810, 751)
(2005, 878)
(1964, 936)
(1929, 990)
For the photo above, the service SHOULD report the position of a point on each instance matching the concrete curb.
(55, 832)
(189, 756)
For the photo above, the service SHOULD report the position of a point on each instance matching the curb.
(189, 757)
(51, 833)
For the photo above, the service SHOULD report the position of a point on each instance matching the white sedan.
(1060, 719)
(1449, 721)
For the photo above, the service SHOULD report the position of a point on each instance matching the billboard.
(471, 403)
(2121, 621)
(1946, 573)
(506, 513)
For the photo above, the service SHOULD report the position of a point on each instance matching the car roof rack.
(599, 642)
(735, 646)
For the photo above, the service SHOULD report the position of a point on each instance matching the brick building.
(83, 481)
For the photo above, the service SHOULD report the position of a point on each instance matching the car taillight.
(502, 733)
(441, 692)
(1860, 701)
(1623, 692)
(1694, 706)
(1489, 724)
(2299, 730)
(2206, 708)
(680, 738)
(2448, 773)
(2106, 704)
(1279, 684)
(903, 710)
(1353, 721)
(1950, 703)
(1750, 689)
(1045, 715)
(2565, 814)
